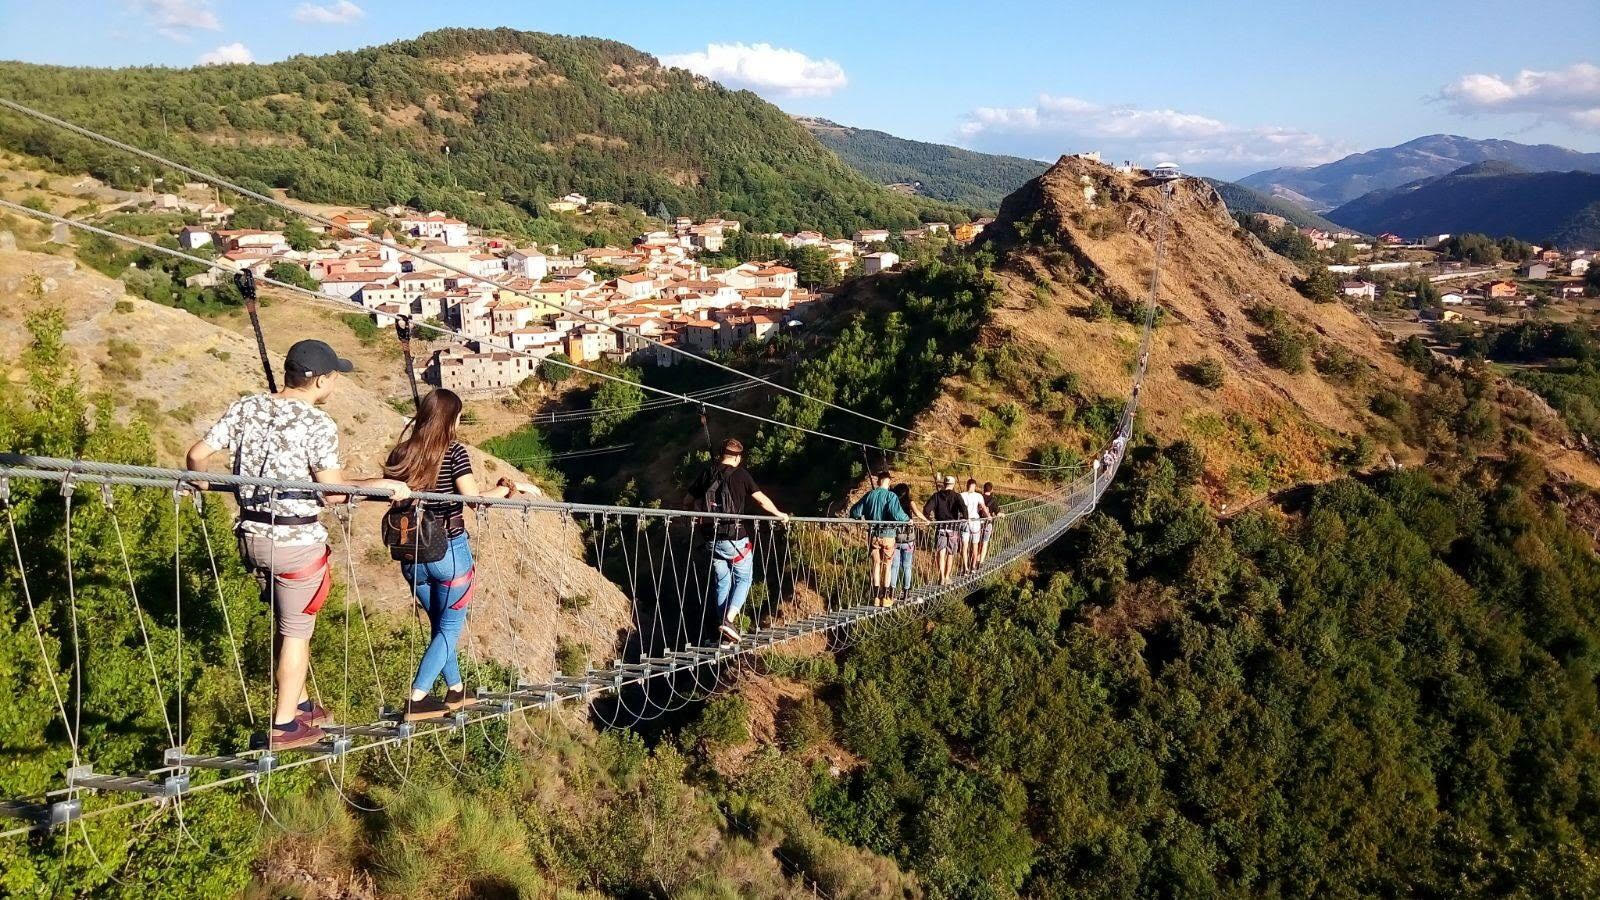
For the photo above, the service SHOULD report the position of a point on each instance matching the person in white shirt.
(972, 536)
(286, 436)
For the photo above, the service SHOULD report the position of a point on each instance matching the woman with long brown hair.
(429, 458)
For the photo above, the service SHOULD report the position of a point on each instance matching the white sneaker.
(730, 635)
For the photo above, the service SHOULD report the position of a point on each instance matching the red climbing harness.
(311, 571)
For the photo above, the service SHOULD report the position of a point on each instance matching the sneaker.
(294, 735)
(316, 715)
(730, 634)
(429, 707)
(454, 700)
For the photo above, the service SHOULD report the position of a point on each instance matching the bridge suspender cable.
(345, 306)
(275, 202)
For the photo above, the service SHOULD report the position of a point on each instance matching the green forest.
(940, 171)
(526, 117)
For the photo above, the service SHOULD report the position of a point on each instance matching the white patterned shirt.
(277, 437)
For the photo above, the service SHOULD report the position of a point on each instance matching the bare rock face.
(8, 241)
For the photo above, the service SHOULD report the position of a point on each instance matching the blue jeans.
(444, 589)
(732, 579)
(900, 565)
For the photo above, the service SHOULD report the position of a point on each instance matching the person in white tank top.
(977, 511)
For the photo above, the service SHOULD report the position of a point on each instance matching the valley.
(1295, 578)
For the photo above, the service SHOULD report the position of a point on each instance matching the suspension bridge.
(814, 571)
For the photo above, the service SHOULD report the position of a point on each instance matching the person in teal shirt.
(880, 506)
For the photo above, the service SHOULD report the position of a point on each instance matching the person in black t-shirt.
(946, 508)
(429, 458)
(727, 487)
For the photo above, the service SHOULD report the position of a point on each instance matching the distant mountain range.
(939, 171)
(1495, 198)
(1321, 188)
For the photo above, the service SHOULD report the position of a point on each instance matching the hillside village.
(521, 304)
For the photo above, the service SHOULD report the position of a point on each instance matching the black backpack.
(718, 498)
(414, 533)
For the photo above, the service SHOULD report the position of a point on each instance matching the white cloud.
(1570, 95)
(1059, 124)
(341, 13)
(763, 68)
(227, 54)
(178, 19)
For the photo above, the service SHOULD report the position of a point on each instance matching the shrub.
(1207, 373)
(572, 657)
(1338, 363)
(1059, 458)
(1188, 461)
(804, 724)
(362, 326)
(36, 203)
(122, 359)
(574, 602)
(724, 722)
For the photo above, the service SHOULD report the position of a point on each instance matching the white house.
(636, 286)
(345, 285)
(415, 284)
(1578, 266)
(778, 277)
(436, 226)
(528, 263)
(1452, 299)
(872, 235)
(372, 295)
(191, 238)
(700, 335)
(570, 203)
(1359, 290)
(881, 261)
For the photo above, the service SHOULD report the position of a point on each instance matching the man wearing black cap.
(725, 488)
(285, 436)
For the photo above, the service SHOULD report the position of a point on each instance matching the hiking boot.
(294, 735)
(730, 634)
(316, 715)
(454, 700)
(429, 707)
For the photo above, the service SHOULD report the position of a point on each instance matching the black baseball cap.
(313, 358)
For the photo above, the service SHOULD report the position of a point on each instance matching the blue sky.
(1225, 87)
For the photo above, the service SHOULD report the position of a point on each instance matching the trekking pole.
(403, 330)
(245, 281)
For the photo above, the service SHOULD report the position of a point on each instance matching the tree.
(299, 236)
(812, 266)
(1319, 284)
(1591, 281)
(291, 273)
(1477, 249)
(615, 402)
(555, 368)
(1427, 296)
